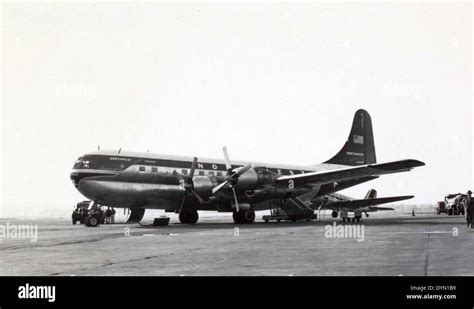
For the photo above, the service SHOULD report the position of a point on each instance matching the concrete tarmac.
(426, 245)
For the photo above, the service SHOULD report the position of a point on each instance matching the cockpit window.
(78, 163)
(102, 162)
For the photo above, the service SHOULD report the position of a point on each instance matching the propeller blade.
(236, 202)
(228, 166)
(193, 167)
(182, 203)
(242, 170)
(200, 200)
(220, 187)
(188, 184)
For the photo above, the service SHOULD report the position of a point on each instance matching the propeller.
(232, 177)
(188, 184)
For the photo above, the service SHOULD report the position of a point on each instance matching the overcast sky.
(274, 82)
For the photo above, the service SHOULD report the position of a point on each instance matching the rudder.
(359, 148)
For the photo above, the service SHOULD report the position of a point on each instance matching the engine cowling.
(248, 180)
(203, 185)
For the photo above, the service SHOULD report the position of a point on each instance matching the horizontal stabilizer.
(354, 204)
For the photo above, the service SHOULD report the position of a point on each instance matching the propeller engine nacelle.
(249, 180)
(203, 185)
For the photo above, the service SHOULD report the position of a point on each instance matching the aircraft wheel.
(236, 217)
(189, 217)
(193, 217)
(249, 216)
(244, 216)
(74, 222)
(92, 221)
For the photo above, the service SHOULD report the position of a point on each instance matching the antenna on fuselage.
(98, 148)
(120, 149)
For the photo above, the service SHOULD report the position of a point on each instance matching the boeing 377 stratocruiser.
(185, 185)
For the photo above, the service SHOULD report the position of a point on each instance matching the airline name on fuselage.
(87, 162)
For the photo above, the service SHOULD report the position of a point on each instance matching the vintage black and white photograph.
(236, 139)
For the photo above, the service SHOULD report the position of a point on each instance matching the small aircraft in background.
(342, 205)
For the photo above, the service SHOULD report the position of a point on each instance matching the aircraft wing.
(323, 177)
(355, 204)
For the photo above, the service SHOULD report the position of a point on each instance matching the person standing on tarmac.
(112, 217)
(108, 214)
(469, 209)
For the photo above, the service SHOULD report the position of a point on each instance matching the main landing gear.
(357, 218)
(188, 216)
(244, 216)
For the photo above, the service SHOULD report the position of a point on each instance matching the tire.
(182, 217)
(92, 221)
(188, 217)
(193, 217)
(73, 221)
(249, 216)
(244, 216)
(236, 217)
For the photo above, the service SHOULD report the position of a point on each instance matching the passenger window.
(201, 173)
(219, 173)
(141, 168)
(211, 173)
(154, 170)
(185, 172)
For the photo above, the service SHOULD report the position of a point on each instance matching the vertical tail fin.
(372, 193)
(359, 148)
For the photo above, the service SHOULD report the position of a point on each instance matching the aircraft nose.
(74, 178)
(87, 188)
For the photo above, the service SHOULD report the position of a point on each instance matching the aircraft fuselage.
(145, 180)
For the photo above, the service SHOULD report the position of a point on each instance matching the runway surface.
(404, 245)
